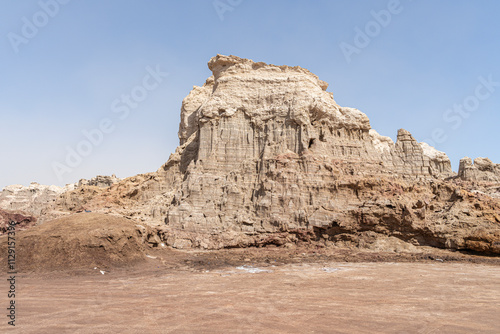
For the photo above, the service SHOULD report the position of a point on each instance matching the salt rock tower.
(266, 148)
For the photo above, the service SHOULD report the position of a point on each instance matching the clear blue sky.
(63, 79)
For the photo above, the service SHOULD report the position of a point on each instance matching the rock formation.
(32, 199)
(267, 156)
(35, 198)
(101, 181)
(251, 111)
(483, 169)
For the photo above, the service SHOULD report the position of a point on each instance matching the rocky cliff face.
(253, 111)
(267, 149)
(266, 155)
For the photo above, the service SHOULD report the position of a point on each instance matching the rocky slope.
(82, 240)
(267, 156)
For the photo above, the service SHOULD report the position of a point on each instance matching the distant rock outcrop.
(36, 199)
(31, 200)
(483, 169)
(99, 181)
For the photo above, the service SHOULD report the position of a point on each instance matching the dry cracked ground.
(265, 291)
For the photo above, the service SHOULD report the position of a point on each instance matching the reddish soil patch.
(23, 222)
(77, 241)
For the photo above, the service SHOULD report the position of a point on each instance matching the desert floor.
(238, 292)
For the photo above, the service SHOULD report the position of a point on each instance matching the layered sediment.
(267, 156)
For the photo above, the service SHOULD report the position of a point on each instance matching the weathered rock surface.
(22, 222)
(35, 199)
(32, 199)
(101, 181)
(267, 156)
(251, 111)
(483, 169)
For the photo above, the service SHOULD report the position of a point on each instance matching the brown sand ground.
(221, 292)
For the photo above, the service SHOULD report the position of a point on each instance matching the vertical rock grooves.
(266, 155)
